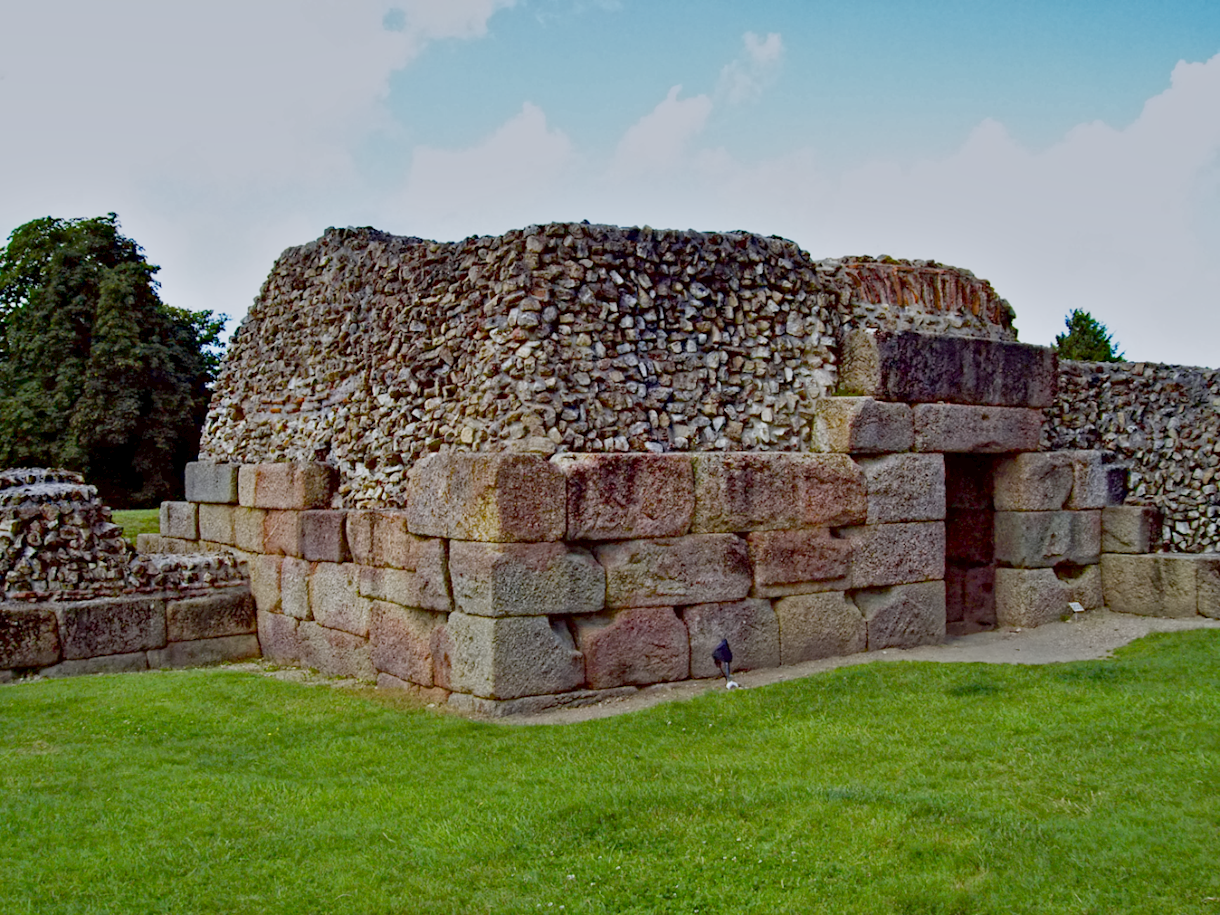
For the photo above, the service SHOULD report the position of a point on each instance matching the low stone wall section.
(1163, 422)
(127, 633)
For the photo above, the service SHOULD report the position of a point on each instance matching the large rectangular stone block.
(1034, 597)
(744, 491)
(418, 578)
(204, 652)
(750, 626)
(28, 636)
(905, 487)
(625, 496)
(285, 486)
(927, 368)
(208, 482)
(1090, 481)
(400, 641)
(525, 579)
(673, 571)
(1130, 528)
(904, 616)
(249, 533)
(895, 554)
(1207, 584)
(216, 524)
(265, 582)
(798, 562)
(115, 625)
(1034, 482)
(222, 612)
(497, 498)
(335, 653)
(813, 626)
(335, 600)
(323, 537)
(282, 533)
(279, 639)
(130, 662)
(510, 657)
(633, 647)
(179, 519)
(980, 430)
(294, 588)
(1153, 584)
(1036, 540)
(862, 425)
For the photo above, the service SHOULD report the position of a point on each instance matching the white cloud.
(508, 179)
(744, 79)
(658, 140)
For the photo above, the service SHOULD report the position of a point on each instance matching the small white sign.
(1076, 608)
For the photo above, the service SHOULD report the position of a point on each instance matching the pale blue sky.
(1068, 152)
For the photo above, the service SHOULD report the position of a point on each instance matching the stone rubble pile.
(1163, 421)
(370, 351)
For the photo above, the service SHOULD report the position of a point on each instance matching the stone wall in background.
(370, 351)
(1161, 420)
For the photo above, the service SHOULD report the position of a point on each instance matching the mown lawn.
(901, 787)
(137, 521)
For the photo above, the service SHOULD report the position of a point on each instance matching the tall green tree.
(97, 374)
(1086, 340)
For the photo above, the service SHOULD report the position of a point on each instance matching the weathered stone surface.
(905, 487)
(926, 368)
(179, 519)
(1155, 584)
(1034, 482)
(1207, 584)
(673, 571)
(285, 485)
(525, 579)
(1090, 482)
(110, 626)
(335, 653)
(223, 612)
(335, 600)
(322, 536)
(740, 491)
(895, 554)
(1033, 597)
(400, 641)
(510, 657)
(970, 594)
(393, 545)
(208, 482)
(1036, 540)
(248, 529)
(358, 532)
(1130, 528)
(984, 430)
(862, 425)
(202, 652)
(265, 582)
(813, 626)
(28, 636)
(636, 646)
(216, 523)
(466, 704)
(625, 496)
(418, 578)
(798, 562)
(279, 639)
(904, 615)
(749, 625)
(294, 588)
(130, 662)
(489, 497)
(282, 533)
(970, 535)
(151, 543)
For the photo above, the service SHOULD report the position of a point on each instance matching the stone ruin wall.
(1163, 421)
(370, 351)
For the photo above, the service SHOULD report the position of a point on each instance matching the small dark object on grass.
(723, 655)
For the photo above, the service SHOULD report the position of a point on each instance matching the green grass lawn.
(888, 787)
(138, 521)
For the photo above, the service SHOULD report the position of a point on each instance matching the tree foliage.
(97, 374)
(1086, 340)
